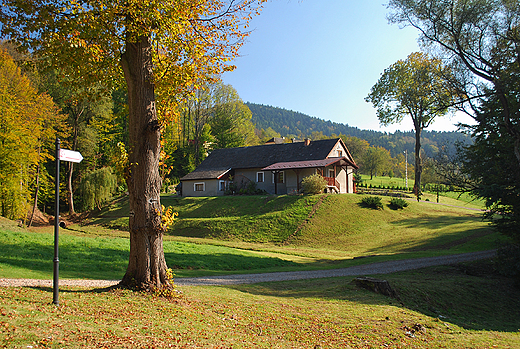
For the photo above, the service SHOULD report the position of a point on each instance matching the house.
(277, 168)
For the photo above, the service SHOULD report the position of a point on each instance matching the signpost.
(63, 155)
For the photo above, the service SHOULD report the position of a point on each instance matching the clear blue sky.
(321, 57)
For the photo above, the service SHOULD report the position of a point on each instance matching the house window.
(340, 153)
(222, 186)
(259, 177)
(280, 177)
(199, 186)
(331, 173)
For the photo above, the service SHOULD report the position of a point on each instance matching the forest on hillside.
(291, 124)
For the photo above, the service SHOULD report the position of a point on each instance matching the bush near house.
(314, 184)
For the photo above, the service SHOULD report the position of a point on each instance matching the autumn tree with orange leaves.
(160, 46)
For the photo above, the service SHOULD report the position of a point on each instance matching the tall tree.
(376, 160)
(28, 122)
(414, 87)
(83, 105)
(230, 119)
(163, 44)
(489, 170)
(480, 38)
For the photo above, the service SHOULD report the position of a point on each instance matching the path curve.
(366, 269)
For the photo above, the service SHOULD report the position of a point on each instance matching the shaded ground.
(367, 269)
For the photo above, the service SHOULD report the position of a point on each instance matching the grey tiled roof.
(260, 156)
(205, 174)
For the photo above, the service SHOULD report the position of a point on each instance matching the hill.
(328, 227)
(291, 123)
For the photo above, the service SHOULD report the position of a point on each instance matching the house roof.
(214, 173)
(261, 156)
(307, 164)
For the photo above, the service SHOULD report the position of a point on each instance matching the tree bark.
(70, 196)
(37, 189)
(146, 266)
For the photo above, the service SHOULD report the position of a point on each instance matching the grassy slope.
(244, 218)
(342, 225)
(458, 307)
(272, 233)
(340, 229)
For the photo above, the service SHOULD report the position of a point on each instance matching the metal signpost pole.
(57, 226)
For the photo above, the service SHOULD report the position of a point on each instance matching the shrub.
(373, 202)
(314, 184)
(398, 203)
(97, 187)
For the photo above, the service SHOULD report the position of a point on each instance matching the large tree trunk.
(146, 266)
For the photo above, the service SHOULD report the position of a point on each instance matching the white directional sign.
(70, 155)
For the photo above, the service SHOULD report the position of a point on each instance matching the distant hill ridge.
(287, 123)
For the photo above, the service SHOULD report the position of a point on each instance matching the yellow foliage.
(168, 217)
(28, 122)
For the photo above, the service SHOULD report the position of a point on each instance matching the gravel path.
(367, 269)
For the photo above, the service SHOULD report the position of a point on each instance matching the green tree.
(376, 161)
(230, 120)
(158, 45)
(28, 124)
(414, 87)
(214, 117)
(266, 134)
(480, 39)
(90, 119)
(97, 187)
(357, 148)
(489, 170)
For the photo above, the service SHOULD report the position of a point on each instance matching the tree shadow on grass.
(218, 261)
(83, 261)
(446, 232)
(76, 289)
(469, 295)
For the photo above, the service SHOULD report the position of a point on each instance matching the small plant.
(167, 291)
(398, 203)
(314, 184)
(168, 217)
(373, 202)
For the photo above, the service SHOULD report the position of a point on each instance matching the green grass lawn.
(342, 225)
(253, 234)
(387, 181)
(442, 307)
(463, 306)
(30, 255)
(463, 199)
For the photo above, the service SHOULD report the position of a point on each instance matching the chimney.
(307, 141)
